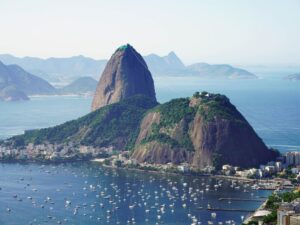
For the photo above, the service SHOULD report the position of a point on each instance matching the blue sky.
(213, 31)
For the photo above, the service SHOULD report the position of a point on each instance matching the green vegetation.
(271, 218)
(273, 204)
(287, 174)
(179, 111)
(174, 111)
(196, 95)
(275, 199)
(123, 47)
(113, 125)
(216, 105)
(217, 161)
(171, 114)
(118, 124)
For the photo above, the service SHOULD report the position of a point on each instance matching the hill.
(204, 130)
(220, 71)
(113, 127)
(18, 83)
(166, 65)
(10, 93)
(82, 85)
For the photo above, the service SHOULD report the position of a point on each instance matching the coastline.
(250, 217)
(151, 169)
(160, 171)
(215, 176)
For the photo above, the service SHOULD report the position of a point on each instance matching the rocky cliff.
(205, 130)
(126, 74)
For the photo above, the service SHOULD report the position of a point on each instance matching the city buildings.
(293, 158)
(289, 213)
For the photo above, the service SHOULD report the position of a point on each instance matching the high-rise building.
(293, 158)
(290, 158)
(295, 219)
(297, 158)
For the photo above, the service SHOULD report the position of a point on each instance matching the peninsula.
(204, 130)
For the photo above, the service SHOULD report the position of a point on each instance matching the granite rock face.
(206, 130)
(126, 74)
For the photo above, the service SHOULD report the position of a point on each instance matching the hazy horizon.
(235, 32)
(250, 65)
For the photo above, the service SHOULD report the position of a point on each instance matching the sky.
(213, 31)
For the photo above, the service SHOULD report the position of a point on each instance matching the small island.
(80, 86)
(295, 76)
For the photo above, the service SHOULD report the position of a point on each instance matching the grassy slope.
(116, 124)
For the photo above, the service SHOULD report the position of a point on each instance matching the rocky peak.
(174, 60)
(126, 74)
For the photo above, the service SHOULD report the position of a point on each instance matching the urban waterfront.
(51, 194)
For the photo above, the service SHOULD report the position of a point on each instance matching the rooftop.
(261, 213)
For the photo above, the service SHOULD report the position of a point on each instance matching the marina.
(86, 194)
(241, 199)
(232, 210)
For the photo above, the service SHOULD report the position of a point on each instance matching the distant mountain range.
(201, 131)
(58, 69)
(166, 65)
(69, 69)
(17, 84)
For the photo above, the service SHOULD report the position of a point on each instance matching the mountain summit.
(126, 74)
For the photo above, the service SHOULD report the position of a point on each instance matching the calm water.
(38, 194)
